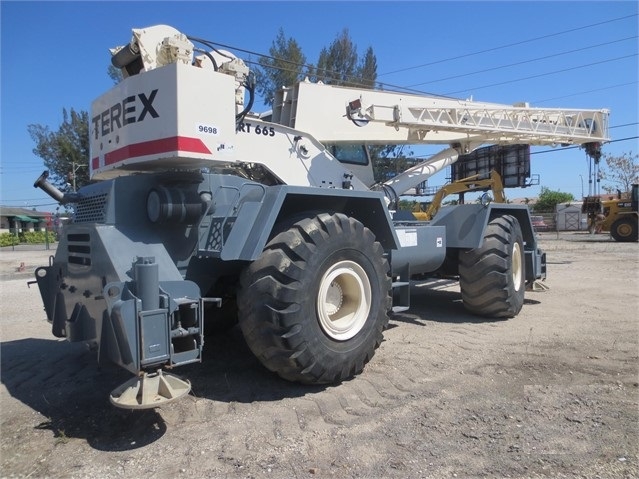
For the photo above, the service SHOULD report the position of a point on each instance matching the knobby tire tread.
(485, 271)
(271, 297)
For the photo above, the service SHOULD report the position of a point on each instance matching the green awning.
(27, 219)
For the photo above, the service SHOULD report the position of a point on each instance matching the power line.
(20, 169)
(353, 80)
(42, 204)
(532, 60)
(542, 74)
(409, 89)
(311, 69)
(587, 91)
(21, 200)
(625, 124)
(327, 74)
(579, 146)
(448, 95)
(508, 45)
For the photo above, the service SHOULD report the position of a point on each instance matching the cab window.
(352, 154)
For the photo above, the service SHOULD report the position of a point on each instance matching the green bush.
(36, 237)
(548, 200)
(8, 239)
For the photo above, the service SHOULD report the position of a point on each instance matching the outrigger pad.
(149, 391)
(538, 286)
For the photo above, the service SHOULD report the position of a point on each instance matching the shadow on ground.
(62, 382)
(435, 304)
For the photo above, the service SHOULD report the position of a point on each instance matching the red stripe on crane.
(155, 147)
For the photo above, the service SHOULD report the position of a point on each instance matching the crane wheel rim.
(344, 300)
(517, 266)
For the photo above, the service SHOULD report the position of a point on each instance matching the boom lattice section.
(517, 124)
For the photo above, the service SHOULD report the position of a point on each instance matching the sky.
(54, 55)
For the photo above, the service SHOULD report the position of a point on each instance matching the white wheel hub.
(517, 266)
(344, 300)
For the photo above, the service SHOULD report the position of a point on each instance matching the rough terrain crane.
(207, 211)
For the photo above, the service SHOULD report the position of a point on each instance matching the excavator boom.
(472, 183)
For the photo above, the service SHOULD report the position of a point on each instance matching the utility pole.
(73, 173)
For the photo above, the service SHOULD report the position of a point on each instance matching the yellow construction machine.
(472, 183)
(618, 216)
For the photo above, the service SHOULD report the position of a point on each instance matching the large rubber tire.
(313, 307)
(624, 229)
(492, 277)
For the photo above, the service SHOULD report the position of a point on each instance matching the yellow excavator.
(472, 183)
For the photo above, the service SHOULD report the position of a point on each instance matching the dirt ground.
(553, 392)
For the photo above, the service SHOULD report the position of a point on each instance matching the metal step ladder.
(401, 291)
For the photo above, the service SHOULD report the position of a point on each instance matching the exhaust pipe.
(53, 192)
(127, 59)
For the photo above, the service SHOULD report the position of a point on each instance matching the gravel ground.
(553, 392)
